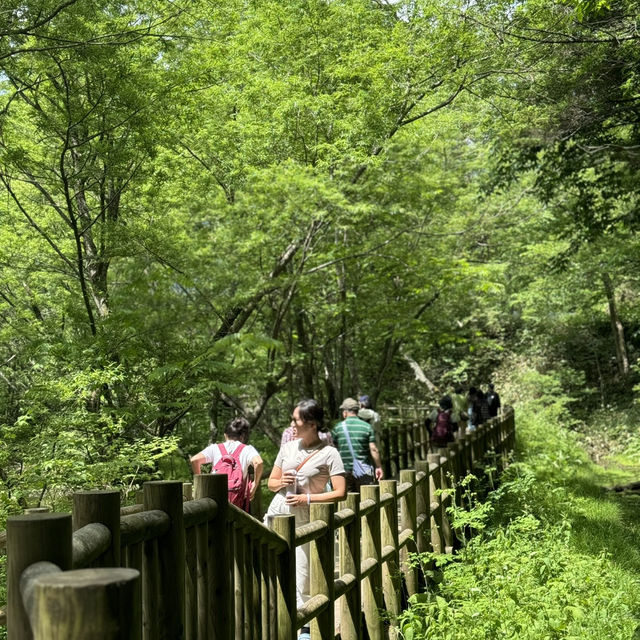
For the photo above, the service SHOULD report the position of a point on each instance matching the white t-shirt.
(212, 454)
(315, 473)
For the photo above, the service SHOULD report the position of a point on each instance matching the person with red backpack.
(233, 457)
(441, 424)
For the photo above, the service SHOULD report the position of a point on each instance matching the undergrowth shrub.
(548, 556)
(525, 582)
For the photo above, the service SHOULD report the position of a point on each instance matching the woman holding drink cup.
(299, 477)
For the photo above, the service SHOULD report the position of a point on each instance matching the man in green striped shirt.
(363, 442)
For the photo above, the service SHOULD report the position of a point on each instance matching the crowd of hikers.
(469, 410)
(318, 465)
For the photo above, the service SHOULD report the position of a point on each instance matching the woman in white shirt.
(299, 477)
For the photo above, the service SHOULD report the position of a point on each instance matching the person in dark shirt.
(481, 407)
(493, 399)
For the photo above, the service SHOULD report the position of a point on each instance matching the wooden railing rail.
(202, 568)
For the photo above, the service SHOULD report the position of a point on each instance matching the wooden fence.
(201, 568)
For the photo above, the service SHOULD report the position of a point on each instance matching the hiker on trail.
(481, 407)
(471, 409)
(460, 406)
(291, 433)
(442, 423)
(300, 474)
(493, 399)
(234, 457)
(367, 413)
(356, 442)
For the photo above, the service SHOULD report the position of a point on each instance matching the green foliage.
(526, 583)
(556, 559)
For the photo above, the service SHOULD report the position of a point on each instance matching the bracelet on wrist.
(308, 498)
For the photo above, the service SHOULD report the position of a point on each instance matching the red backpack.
(229, 464)
(443, 429)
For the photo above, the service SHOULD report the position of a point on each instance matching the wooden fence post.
(285, 526)
(409, 520)
(87, 604)
(30, 539)
(351, 607)
(218, 611)
(403, 445)
(447, 498)
(102, 507)
(435, 504)
(164, 609)
(422, 506)
(238, 542)
(391, 577)
(385, 440)
(419, 440)
(322, 566)
(372, 596)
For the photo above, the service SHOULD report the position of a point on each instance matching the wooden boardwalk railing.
(202, 568)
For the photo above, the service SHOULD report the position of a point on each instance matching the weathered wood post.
(503, 427)
(351, 606)
(391, 578)
(410, 442)
(238, 543)
(166, 613)
(285, 526)
(422, 506)
(435, 505)
(385, 439)
(420, 436)
(484, 440)
(86, 604)
(252, 615)
(265, 595)
(322, 565)
(409, 520)
(463, 441)
(447, 499)
(30, 539)
(511, 421)
(272, 572)
(403, 453)
(191, 582)
(372, 596)
(102, 507)
(218, 611)
(468, 451)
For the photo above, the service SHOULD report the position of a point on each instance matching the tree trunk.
(616, 327)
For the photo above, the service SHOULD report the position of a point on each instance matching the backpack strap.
(348, 437)
(237, 451)
(235, 454)
(307, 459)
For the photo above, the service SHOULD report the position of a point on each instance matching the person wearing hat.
(355, 439)
(367, 412)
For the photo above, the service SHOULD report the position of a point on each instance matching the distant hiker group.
(456, 410)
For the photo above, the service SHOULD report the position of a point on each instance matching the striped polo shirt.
(361, 435)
